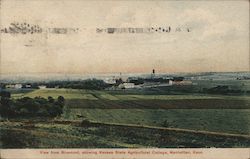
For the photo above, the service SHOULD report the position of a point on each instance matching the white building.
(10, 86)
(110, 80)
(28, 86)
(18, 86)
(14, 86)
(182, 83)
(42, 87)
(126, 85)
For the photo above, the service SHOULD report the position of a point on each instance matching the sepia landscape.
(124, 74)
(151, 110)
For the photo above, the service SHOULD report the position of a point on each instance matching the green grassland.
(66, 93)
(234, 84)
(201, 112)
(37, 134)
(109, 95)
(235, 121)
(219, 113)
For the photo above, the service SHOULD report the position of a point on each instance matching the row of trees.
(30, 107)
(92, 84)
(222, 90)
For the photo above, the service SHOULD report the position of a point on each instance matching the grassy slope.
(51, 135)
(93, 95)
(227, 120)
(231, 120)
(66, 93)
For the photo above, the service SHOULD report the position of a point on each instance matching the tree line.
(30, 107)
(92, 84)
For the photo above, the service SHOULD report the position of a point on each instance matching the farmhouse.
(10, 86)
(110, 80)
(181, 82)
(42, 87)
(18, 86)
(126, 85)
(14, 86)
(28, 86)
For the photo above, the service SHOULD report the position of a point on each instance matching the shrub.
(165, 124)
(86, 123)
(31, 107)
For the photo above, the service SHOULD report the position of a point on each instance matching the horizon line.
(103, 73)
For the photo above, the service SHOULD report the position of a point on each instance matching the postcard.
(124, 79)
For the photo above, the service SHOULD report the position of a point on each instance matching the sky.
(217, 41)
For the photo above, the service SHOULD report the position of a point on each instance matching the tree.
(51, 99)
(165, 123)
(31, 107)
(5, 94)
(5, 110)
(61, 99)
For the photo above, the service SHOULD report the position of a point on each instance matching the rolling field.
(236, 121)
(235, 84)
(66, 93)
(37, 134)
(194, 112)
(109, 95)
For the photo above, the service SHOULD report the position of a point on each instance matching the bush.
(31, 107)
(85, 123)
(165, 124)
(5, 94)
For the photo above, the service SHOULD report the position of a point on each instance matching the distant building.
(150, 81)
(10, 86)
(126, 85)
(129, 85)
(181, 82)
(110, 80)
(118, 81)
(153, 73)
(27, 86)
(18, 86)
(42, 87)
(14, 86)
(170, 82)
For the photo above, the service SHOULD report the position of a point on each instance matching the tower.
(153, 73)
